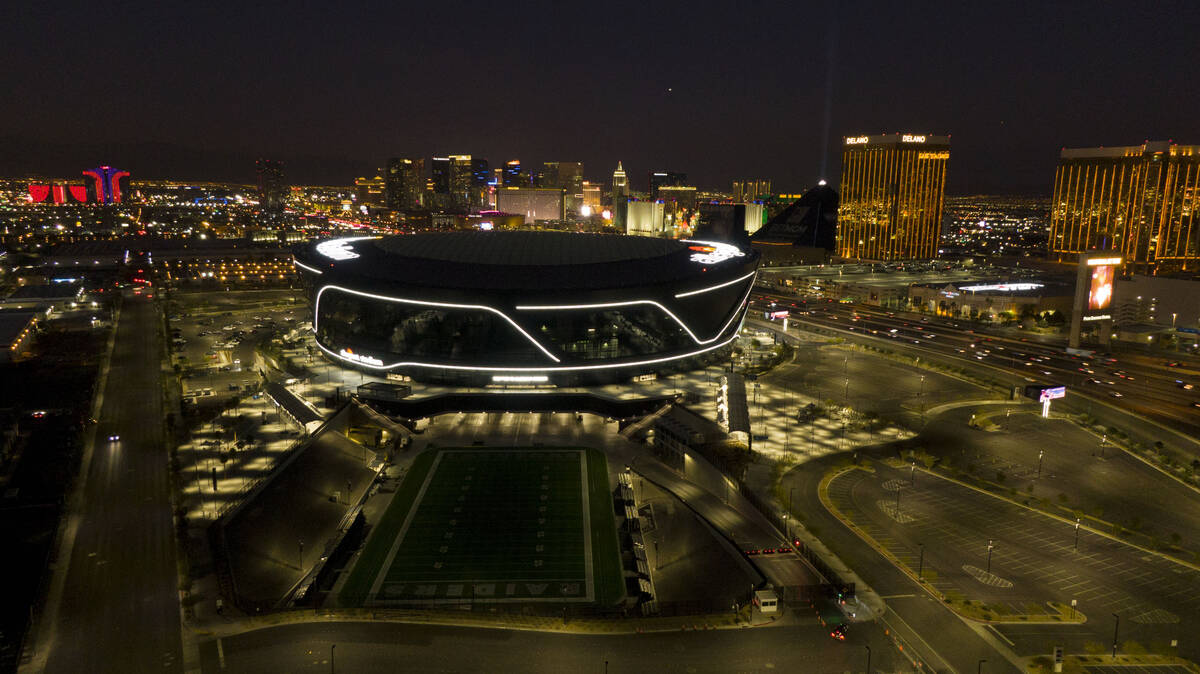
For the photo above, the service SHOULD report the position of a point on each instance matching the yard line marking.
(412, 512)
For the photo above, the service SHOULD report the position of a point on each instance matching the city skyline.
(599, 92)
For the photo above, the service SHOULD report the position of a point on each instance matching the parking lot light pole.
(1116, 629)
(989, 561)
(1076, 547)
(921, 562)
(1041, 453)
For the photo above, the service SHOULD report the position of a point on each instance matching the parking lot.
(1033, 557)
(213, 337)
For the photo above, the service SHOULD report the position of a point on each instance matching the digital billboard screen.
(1101, 290)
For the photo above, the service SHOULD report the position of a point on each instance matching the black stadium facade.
(478, 308)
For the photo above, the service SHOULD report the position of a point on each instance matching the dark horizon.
(710, 90)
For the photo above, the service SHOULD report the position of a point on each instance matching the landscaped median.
(1048, 612)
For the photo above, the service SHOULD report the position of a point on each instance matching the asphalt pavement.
(959, 644)
(119, 609)
(391, 647)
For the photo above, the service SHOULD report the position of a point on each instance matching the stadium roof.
(528, 248)
(519, 261)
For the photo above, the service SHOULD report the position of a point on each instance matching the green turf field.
(491, 524)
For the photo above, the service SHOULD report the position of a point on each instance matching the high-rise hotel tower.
(1140, 200)
(892, 192)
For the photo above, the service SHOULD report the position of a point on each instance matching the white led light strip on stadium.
(564, 368)
(717, 287)
(424, 303)
(300, 264)
(337, 249)
(609, 305)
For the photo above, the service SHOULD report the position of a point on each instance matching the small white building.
(766, 601)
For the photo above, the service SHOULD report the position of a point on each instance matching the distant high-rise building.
(109, 184)
(657, 179)
(592, 197)
(480, 175)
(439, 182)
(271, 189)
(620, 197)
(532, 202)
(405, 183)
(892, 192)
(371, 191)
(745, 191)
(620, 183)
(1138, 200)
(463, 194)
(645, 218)
(565, 175)
(512, 173)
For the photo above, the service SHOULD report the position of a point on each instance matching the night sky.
(716, 90)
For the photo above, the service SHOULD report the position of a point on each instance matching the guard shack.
(766, 601)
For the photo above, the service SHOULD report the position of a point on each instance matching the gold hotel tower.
(1140, 200)
(892, 193)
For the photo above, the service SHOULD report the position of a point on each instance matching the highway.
(119, 609)
(1138, 383)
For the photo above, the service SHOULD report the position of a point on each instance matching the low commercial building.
(994, 300)
(16, 334)
(45, 296)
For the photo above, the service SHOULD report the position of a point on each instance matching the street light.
(989, 562)
(1116, 627)
(921, 562)
(1076, 547)
(1041, 453)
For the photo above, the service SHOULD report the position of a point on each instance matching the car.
(839, 632)
(1196, 404)
(1185, 385)
(114, 437)
(1117, 394)
(1172, 363)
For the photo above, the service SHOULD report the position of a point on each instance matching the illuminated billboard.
(1100, 291)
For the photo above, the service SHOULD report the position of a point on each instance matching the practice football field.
(494, 525)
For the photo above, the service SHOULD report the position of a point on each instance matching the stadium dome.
(565, 308)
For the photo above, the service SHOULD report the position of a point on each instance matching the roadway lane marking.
(997, 633)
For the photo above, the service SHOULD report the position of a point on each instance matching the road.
(390, 647)
(1135, 382)
(119, 610)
